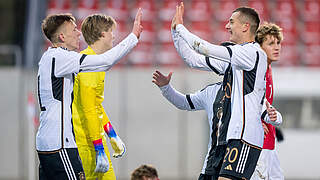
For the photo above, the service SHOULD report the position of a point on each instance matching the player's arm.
(194, 59)
(72, 62)
(117, 144)
(270, 114)
(181, 101)
(87, 95)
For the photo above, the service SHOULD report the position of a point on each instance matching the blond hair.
(268, 29)
(94, 25)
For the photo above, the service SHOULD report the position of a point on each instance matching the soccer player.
(55, 141)
(89, 118)
(269, 36)
(145, 172)
(208, 99)
(243, 66)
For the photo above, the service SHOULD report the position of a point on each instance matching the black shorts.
(240, 160)
(61, 164)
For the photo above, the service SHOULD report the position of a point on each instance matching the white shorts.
(268, 166)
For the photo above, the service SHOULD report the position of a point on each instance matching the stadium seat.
(149, 9)
(311, 33)
(224, 9)
(118, 9)
(142, 56)
(289, 56)
(310, 12)
(86, 7)
(220, 33)
(59, 6)
(168, 56)
(284, 9)
(164, 32)
(311, 55)
(167, 10)
(262, 6)
(202, 29)
(199, 10)
(289, 29)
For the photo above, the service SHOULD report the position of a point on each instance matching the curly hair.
(268, 29)
(144, 171)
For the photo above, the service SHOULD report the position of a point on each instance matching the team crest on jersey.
(81, 176)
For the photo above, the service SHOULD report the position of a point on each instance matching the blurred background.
(154, 131)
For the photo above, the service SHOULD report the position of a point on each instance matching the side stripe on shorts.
(67, 164)
(243, 158)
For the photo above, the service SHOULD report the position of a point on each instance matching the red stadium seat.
(86, 7)
(284, 9)
(59, 6)
(202, 29)
(149, 34)
(149, 9)
(200, 10)
(167, 10)
(311, 33)
(311, 55)
(164, 33)
(118, 9)
(168, 56)
(289, 28)
(142, 56)
(220, 33)
(224, 9)
(310, 11)
(262, 7)
(289, 56)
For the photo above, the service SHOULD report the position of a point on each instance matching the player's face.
(272, 46)
(71, 36)
(109, 38)
(234, 27)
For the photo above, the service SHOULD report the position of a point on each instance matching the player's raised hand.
(179, 14)
(272, 112)
(137, 27)
(161, 80)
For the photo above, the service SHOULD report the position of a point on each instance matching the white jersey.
(244, 67)
(208, 99)
(55, 90)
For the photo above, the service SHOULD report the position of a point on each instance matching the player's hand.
(179, 14)
(272, 112)
(118, 147)
(116, 143)
(161, 80)
(173, 22)
(137, 27)
(102, 162)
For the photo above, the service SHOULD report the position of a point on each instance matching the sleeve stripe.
(211, 67)
(264, 114)
(229, 50)
(189, 101)
(82, 58)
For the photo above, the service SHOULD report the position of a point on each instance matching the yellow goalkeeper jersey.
(89, 117)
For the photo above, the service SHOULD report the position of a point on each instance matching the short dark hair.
(51, 24)
(251, 15)
(144, 171)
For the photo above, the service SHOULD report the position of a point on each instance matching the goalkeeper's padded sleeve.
(102, 163)
(118, 146)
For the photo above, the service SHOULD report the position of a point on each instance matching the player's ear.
(245, 27)
(61, 37)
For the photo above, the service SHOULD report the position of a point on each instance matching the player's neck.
(99, 47)
(246, 39)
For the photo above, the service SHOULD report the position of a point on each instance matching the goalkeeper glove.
(102, 162)
(117, 145)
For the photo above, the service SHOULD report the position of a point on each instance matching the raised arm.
(186, 50)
